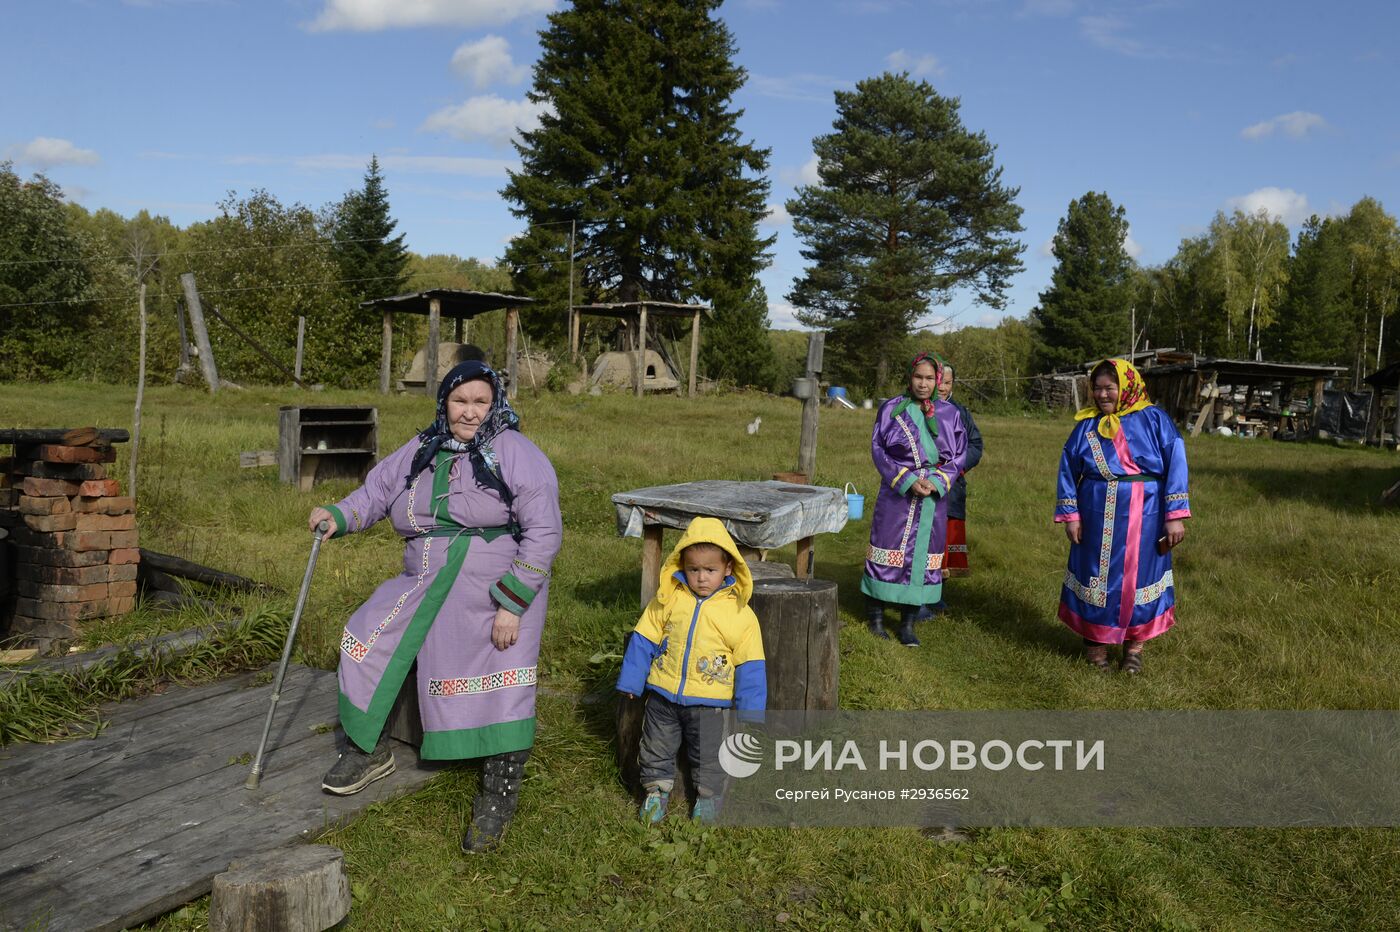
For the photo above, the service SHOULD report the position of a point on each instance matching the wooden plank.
(62, 435)
(161, 848)
(251, 459)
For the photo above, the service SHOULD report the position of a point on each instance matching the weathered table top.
(108, 832)
(56, 434)
(762, 515)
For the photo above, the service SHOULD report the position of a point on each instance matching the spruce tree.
(640, 147)
(373, 262)
(1315, 317)
(910, 209)
(1084, 314)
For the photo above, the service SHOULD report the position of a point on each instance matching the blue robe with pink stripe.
(1122, 491)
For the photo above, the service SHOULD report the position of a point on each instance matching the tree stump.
(800, 641)
(302, 888)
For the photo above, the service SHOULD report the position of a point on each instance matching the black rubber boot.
(495, 802)
(906, 634)
(875, 618)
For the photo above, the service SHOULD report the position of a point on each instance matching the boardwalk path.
(104, 833)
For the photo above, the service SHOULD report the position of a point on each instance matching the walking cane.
(256, 775)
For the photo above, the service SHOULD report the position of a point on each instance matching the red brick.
(48, 556)
(64, 611)
(42, 487)
(95, 488)
(73, 472)
(129, 556)
(122, 540)
(49, 592)
(121, 606)
(49, 523)
(28, 627)
(88, 540)
(47, 505)
(74, 575)
(121, 590)
(106, 522)
(114, 505)
(55, 454)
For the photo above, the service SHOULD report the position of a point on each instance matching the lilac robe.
(1122, 491)
(475, 700)
(904, 563)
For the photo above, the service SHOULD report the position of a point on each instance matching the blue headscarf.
(486, 467)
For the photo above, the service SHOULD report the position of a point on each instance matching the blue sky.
(1175, 108)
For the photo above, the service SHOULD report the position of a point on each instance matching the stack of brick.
(75, 543)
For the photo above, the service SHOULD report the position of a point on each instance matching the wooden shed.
(634, 315)
(1384, 381)
(453, 304)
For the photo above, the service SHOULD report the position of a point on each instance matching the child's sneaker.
(654, 809)
(705, 811)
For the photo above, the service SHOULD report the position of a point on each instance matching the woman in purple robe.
(1123, 499)
(918, 445)
(478, 507)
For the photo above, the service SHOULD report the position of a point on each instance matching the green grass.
(1287, 584)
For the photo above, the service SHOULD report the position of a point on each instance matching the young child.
(697, 651)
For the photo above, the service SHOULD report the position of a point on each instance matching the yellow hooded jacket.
(698, 651)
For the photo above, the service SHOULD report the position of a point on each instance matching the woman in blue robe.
(1123, 500)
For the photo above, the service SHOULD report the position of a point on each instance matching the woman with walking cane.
(478, 507)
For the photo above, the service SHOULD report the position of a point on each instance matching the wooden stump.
(800, 641)
(302, 888)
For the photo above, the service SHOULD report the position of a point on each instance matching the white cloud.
(1131, 246)
(815, 88)
(374, 15)
(47, 152)
(487, 118)
(409, 164)
(783, 316)
(1296, 124)
(487, 61)
(806, 173)
(1281, 203)
(776, 217)
(920, 66)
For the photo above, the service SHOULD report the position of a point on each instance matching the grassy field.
(1287, 585)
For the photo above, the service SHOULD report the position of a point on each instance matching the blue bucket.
(835, 391)
(855, 503)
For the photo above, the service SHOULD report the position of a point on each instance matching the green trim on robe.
(463, 743)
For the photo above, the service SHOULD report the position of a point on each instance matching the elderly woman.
(955, 562)
(1123, 501)
(919, 446)
(478, 507)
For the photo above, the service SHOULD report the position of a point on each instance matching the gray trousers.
(665, 724)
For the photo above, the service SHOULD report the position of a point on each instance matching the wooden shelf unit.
(320, 442)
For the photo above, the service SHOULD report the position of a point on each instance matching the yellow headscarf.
(1132, 396)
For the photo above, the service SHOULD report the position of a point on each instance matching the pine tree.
(1084, 314)
(373, 263)
(1315, 318)
(910, 208)
(639, 145)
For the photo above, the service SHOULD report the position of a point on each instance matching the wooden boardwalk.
(107, 832)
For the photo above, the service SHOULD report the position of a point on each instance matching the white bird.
(752, 428)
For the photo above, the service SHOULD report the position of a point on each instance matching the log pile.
(75, 541)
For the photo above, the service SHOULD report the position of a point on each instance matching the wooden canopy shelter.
(454, 304)
(1381, 381)
(1189, 388)
(634, 313)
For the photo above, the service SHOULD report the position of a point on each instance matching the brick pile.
(75, 543)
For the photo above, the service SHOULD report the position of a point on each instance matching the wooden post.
(811, 409)
(301, 343)
(1317, 404)
(386, 353)
(805, 561)
(430, 360)
(694, 350)
(573, 334)
(184, 339)
(201, 333)
(641, 350)
(512, 349)
(457, 330)
(1395, 435)
(651, 561)
(140, 394)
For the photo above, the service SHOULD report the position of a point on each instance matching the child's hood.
(706, 531)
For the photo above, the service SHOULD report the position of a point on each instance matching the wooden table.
(758, 515)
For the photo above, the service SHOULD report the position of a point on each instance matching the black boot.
(906, 634)
(495, 802)
(354, 769)
(875, 618)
